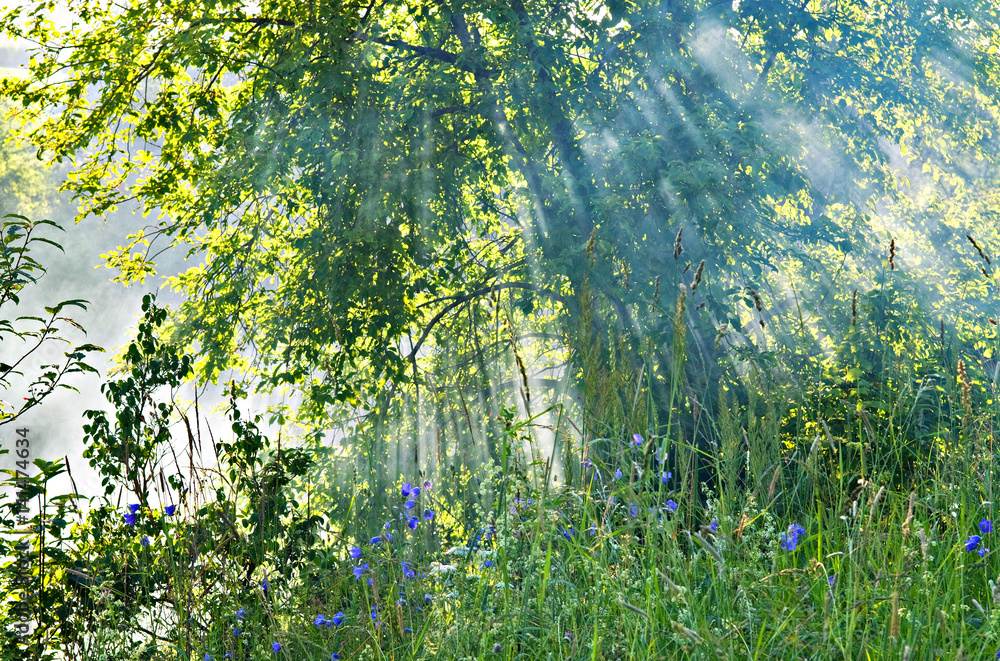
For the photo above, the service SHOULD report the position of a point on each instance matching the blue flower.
(412, 522)
(358, 571)
(714, 525)
(374, 613)
(427, 485)
(334, 656)
(665, 477)
(376, 540)
(145, 541)
(275, 646)
(636, 440)
(985, 526)
(972, 542)
(588, 463)
(428, 515)
(207, 657)
(240, 614)
(338, 619)
(568, 533)
(130, 519)
(355, 553)
(409, 491)
(265, 585)
(407, 571)
(488, 564)
(170, 509)
(618, 473)
(983, 551)
(633, 510)
(409, 505)
(671, 505)
(790, 539)
(321, 620)
(236, 632)
(134, 508)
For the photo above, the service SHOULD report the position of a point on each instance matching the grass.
(608, 571)
(776, 540)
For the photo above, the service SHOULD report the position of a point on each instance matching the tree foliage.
(357, 176)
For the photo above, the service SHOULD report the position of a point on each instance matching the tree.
(355, 174)
(26, 189)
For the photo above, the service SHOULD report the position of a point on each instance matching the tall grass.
(668, 539)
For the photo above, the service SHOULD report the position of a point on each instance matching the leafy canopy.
(353, 173)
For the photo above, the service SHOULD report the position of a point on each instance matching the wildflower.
(207, 657)
(358, 571)
(407, 571)
(671, 505)
(714, 525)
(130, 519)
(665, 477)
(488, 564)
(428, 515)
(592, 529)
(412, 522)
(374, 613)
(376, 540)
(321, 620)
(497, 649)
(618, 473)
(134, 508)
(265, 585)
(338, 619)
(985, 526)
(983, 551)
(409, 505)
(236, 632)
(588, 463)
(170, 509)
(633, 510)
(355, 553)
(240, 614)
(427, 598)
(144, 541)
(388, 536)
(568, 533)
(972, 542)
(409, 491)
(275, 646)
(334, 656)
(832, 580)
(636, 440)
(790, 539)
